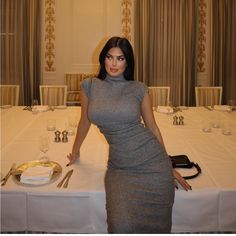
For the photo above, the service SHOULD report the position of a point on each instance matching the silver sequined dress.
(138, 182)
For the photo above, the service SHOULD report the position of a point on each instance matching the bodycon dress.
(139, 182)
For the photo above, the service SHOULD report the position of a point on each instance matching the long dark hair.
(126, 48)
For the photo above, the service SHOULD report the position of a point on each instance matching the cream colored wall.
(81, 28)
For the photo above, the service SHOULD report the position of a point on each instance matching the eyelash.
(119, 58)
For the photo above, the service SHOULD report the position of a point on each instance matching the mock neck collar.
(117, 78)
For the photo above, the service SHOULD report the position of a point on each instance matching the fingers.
(180, 180)
(184, 183)
(72, 159)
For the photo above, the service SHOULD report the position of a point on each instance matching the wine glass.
(170, 108)
(231, 104)
(44, 146)
(33, 104)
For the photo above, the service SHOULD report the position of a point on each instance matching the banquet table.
(80, 208)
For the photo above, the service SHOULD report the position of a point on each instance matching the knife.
(4, 180)
(62, 181)
(67, 180)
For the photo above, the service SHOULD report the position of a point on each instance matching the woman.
(139, 180)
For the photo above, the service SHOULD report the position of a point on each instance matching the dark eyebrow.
(122, 55)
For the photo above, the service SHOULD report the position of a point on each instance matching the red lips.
(113, 70)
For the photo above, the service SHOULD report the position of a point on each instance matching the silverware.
(67, 180)
(51, 108)
(66, 176)
(9, 173)
(28, 108)
(208, 108)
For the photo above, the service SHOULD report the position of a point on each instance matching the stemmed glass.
(33, 104)
(170, 108)
(231, 104)
(44, 146)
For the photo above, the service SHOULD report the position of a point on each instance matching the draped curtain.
(165, 46)
(20, 46)
(224, 47)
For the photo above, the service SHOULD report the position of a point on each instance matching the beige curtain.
(224, 47)
(165, 46)
(20, 46)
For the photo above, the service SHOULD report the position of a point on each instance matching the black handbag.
(182, 161)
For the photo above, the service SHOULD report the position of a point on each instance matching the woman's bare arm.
(82, 130)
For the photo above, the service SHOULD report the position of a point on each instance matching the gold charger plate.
(57, 170)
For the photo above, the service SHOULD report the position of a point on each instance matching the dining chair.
(53, 95)
(208, 96)
(160, 96)
(9, 95)
(73, 80)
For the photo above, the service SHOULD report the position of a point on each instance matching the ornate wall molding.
(50, 35)
(201, 56)
(126, 18)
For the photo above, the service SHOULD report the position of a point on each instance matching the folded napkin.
(222, 108)
(36, 175)
(165, 109)
(40, 108)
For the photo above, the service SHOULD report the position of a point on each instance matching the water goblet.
(33, 104)
(51, 124)
(44, 146)
(227, 128)
(231, 104)
(71, 125)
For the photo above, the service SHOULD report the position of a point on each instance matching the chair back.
(53, 95)
(73, 80)
(160, 96)
(208, 96)
(9, 95)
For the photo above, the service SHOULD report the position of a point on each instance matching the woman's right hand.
(73, 158)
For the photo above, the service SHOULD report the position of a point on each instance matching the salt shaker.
(64, 136)
(181, 120)
(175, 120)
(57, 136)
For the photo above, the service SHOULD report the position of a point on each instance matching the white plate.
(6, 106)
(60, 107)
(57, 169)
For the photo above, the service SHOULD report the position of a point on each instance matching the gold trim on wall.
(201, 56)
(50, 35)
(126, 18)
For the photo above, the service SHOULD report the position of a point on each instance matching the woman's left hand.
(181, 180)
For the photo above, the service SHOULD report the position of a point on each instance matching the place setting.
(36, 107)
(6, 106)
(38, 172)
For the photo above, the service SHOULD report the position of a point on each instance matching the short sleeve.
(143, 89)
(86, 86)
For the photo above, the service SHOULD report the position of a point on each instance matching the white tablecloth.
(209, 207)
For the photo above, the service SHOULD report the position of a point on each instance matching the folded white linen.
(165, 109)
(36, 175)
(40, 108)
(222, 108)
